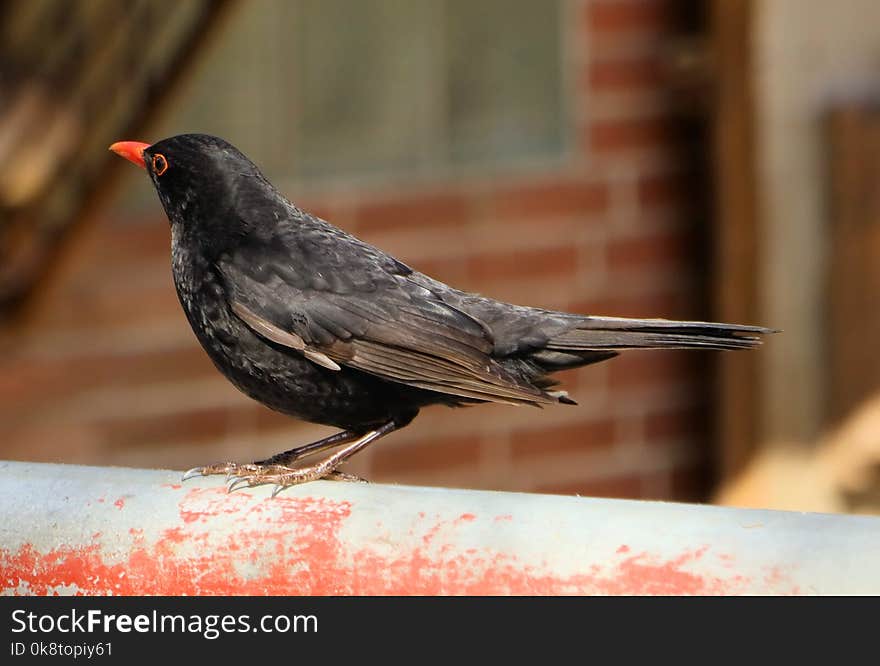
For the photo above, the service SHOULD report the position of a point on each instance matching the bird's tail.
(594, 339)
(615, 333)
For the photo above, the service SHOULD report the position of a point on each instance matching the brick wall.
(108, 371)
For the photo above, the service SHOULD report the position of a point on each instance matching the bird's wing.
(343, 303)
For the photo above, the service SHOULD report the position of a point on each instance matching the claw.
(192, 473)
(277, 489)
(336, 475)
(235, 483)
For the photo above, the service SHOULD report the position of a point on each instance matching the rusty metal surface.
(89, 530)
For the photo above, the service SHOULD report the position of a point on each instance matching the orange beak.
(133, 151)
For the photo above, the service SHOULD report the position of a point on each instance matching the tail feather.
(573, 342)
(613, 333)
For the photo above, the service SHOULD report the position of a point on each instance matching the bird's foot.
(249, 476)
(226, 468)
(255, 474)
(278, 470)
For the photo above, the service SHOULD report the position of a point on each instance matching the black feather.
(316, 323)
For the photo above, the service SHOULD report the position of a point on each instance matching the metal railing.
(102, 530)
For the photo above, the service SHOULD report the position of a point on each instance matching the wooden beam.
(852, 363)
(735, 280)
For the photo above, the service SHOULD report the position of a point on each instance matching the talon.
(277, 489)
(235, 483)
(210, 470)
(342, 476)
(192, 473)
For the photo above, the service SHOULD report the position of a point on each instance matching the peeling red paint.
(639, 572)
(169, 566)
(297, 545)
(775, 577)
(173, 535)
(120, 503)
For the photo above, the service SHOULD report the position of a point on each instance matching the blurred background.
(672, 158)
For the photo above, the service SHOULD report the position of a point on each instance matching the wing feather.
(271, 332)
(369, 316)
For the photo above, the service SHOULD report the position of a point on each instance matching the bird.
(315, 323)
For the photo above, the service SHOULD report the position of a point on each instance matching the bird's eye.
(160, 164)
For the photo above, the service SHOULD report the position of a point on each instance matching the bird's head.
(202, 181)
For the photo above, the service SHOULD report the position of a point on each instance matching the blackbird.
(315, 323)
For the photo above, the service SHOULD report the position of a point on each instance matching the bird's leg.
(295, 454)
(283, 477)
(279, 460)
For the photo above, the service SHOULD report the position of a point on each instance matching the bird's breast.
(202, 297)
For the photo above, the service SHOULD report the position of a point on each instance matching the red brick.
(690, 483)
(323, 209)
(413, 212)
(622, 487)
(578, 437)
(630, 133)
(564, 198)
(665, 304)
(654, 368)
(450, 270)
(426, 456)
(196, 426)
(628, 109)
(687, 483)
(662, 189)
(557, 261)
(650, 252)
(266, 420)
(624, 74)
(629, 15)
(47, 441)
(597, 305)
(109, 307)
(675, 423)
(572, 380)
(120, 243)
(51, 379)
(193, 426)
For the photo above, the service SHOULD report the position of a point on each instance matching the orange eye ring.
(160, 164)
